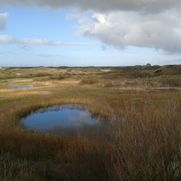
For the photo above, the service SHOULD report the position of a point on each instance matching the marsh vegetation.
(142, 143)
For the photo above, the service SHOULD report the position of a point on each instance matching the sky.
(90, 32)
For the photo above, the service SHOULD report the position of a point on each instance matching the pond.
(17, 87)
(63, 119)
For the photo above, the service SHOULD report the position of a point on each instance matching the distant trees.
(148, 65)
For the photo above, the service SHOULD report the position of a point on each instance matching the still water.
(62, 119)
(22, 87)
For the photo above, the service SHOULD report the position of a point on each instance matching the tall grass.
(147, 145)
(143, 141)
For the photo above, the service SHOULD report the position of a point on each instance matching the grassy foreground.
(144, 143)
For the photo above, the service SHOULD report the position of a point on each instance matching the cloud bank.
(121, 23)
(5, 39)
(122, 29)
(103, 5)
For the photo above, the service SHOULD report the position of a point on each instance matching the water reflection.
(16, 87)
(67, 118)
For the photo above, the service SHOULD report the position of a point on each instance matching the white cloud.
(5, 39)
(122, 29)
(3, 17)
(120, 23)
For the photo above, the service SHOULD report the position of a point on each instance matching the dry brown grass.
(148, 144)
(143, 142)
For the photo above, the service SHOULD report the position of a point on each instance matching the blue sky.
(63, 40)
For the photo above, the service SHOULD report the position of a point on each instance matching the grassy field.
(144, 143)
